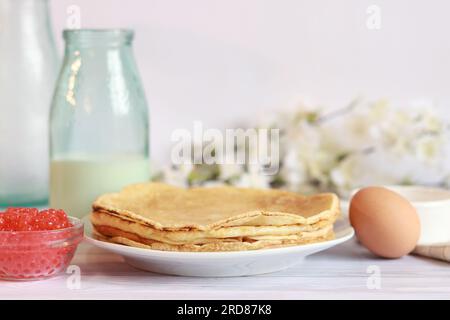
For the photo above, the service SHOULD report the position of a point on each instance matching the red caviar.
(36, 244)
(31, 219)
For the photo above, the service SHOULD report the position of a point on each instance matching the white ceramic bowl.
(433, 208)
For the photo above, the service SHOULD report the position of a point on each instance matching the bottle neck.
(98, 39)
(96, 57)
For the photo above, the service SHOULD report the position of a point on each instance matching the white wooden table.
(346, 271)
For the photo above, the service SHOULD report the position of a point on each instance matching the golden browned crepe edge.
(143, 238)
(212, 247)
(103, 219)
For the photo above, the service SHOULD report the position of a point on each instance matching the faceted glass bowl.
(34, 255)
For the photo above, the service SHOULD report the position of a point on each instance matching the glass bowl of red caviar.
(37, 246)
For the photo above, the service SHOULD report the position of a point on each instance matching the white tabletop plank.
(339, 273)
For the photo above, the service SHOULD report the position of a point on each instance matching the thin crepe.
(169, 208)
(133, 241)
(101, 219)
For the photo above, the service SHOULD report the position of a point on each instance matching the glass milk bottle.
(98, 122)
(28, 70)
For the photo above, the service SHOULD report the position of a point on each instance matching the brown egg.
(385, 222)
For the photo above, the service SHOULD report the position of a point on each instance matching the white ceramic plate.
(220, 264)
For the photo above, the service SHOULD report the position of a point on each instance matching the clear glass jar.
(99, 138)
(28, 70)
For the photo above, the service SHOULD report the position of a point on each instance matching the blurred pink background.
(222, 62)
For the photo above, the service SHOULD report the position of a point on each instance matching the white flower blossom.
(230, 171)
(177, 176)
(253, 179)
(361, 144)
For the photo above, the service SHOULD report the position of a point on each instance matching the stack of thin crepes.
(163, 217)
